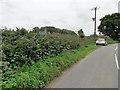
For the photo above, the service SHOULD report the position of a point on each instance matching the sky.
(65, 14)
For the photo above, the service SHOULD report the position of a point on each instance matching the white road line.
(116, 48)
(117, 62)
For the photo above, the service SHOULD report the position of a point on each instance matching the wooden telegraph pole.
(94, 19)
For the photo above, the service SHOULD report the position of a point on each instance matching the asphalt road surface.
(98, 70)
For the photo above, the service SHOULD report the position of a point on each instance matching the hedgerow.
(41, 73)
(22, 48)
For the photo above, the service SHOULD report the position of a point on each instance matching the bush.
(36, 76)
(41, 73)
(106, 37)
(24, 50)
(34, 51)
(28, 48)
(51, 30)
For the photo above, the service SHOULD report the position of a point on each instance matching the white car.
(101, 41)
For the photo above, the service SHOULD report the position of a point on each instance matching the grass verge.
(41, 73)
(113, 42)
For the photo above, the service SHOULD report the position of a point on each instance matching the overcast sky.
(67, 14)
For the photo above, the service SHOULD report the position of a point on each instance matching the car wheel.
(104, 44)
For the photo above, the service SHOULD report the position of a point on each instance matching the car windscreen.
(101, 39)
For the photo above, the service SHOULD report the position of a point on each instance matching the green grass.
(41, 73)
(112, 41)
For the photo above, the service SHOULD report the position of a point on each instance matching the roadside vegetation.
(41, 73)
(32, 59)
(110, 26)
(109, 39)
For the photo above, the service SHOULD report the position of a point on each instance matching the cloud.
(69, 14)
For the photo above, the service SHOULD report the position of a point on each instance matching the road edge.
(67, 71)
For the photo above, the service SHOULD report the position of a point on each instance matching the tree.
(93, 36)
(52, 29)
(110, 25)
(35, 29)
(21, 31)
(81, 33)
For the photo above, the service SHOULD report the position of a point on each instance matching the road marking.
(116, 48)
(117, 62)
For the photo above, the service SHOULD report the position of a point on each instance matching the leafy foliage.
(41, 73)
(50, 29)
(31, 60)
(110, 25)
(81, 33)
(22, 47)
(106, 37)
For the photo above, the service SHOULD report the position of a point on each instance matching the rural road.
(98, 70)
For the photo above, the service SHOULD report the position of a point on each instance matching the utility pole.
(94, 19)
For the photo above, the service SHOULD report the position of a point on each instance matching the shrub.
(106, 37)
(29, 48)
(41, 73)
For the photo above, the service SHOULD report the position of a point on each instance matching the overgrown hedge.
(51, 30)
(22, 48)
(19, 49)
(41, 73)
